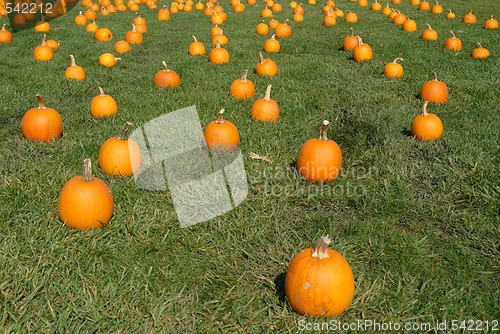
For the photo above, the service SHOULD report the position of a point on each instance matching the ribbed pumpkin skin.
(242, 88)
(427, 127)
(103, 106)
(322, 288)
(319, 160)
(85, 205)
(221, 135)
(265, 111)
(434, 91)
(120, 157)
(41, 124)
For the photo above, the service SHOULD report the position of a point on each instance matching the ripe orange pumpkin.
(108, 59)
(330, 18)
(362, 51)
(351, 17)
(350, 42)
(219, 55)
(42, 25)
(409, 25)
(92, 27)
(424, 5)
(41, 123)
(220, 38)
(434, 90)
(320, 159)
(437, 8)
(429, 34)
(453, 43)
(272, 45)
(166, 78)
(221, 134)
(74, 71)
(450, 15)
(376, 6)
(164, 13)
(262, 28)
(85, 202)
(53, 44)
(491, 23)
(319, 281)
(394, 69)
(133, 36)
(469, 18)
(122, 47)
(43, 52)
(266, 66)
(283, 30)
(120, 155)
(242, 88)
(103, 35)
(426, 126)
(265, 109)
(5, 35)
(103, 105)
(480, 52)
(197, 48)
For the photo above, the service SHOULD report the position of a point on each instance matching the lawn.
(417, 221)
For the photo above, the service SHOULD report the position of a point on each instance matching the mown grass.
(418, 221)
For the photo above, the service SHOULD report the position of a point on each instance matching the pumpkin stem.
(3, 27)
(320, 248)
(41, 102)
(360, 42)
(395, 61)
(262, 60)
(429, 26)
(101, 91)
(267, 97)
(434, 76)
(44, 39)
(194, 39)
(133, 27)
(217, 45)
(220, 117)
(125, 130)
(273, 37)
(244, 76)
(453, 34)
(479, 45)
(424, 109)
(323, 130)
(87, 170)
(165, 67)
(352, 31)
(73, 63)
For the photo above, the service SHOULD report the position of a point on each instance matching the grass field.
(417, 221)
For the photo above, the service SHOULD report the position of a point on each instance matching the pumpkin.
(434, 90)
(219, 55)
(265, 109)
(276, 7)
(283, 30)
(166, 78)
(164, 13)
(426, 126)
(272, 45)
(394, 13)
(362, 51)
(108, 59)
(53, 44)
(387, 10)
(453, 43)
(414, 2)
(450, 15)
(266, 12)
(90, 14)
(221, 134)
(220, 38)
(339, 12)
(396, 2)
(399, 19)
(363, 3)
(437, 8)
(469, 18)
(43, 52)
(424, 5)
(376, 6)
(262, 28)
(319, 281)
(216, 30)
(409, 25)
(491, 23)
(103, 35)
(119, 155)
(20, 19)
(350, 42)
(5, 35)
(266, 66)
(299, 9)
(41, 123)
(394, 69)
(103, 105)
(196, 48)
(74, 71)
(298, 17)
(199, 5)
(319, 159)
(140, 23)
(104, 11)
(293, 4)
(85, 202)
(330, 18)
(480, 52)
(92, 27)
(133, 36)
(239, 8)
(351, 17)
(42, 26)
(122, 47)
(242, 88)
(429, 34)
(273, 23)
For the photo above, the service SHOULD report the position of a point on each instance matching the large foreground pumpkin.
(319, 281)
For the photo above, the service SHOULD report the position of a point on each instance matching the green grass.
(417, 221)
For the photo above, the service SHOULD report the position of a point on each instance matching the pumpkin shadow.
(406, 132)
(279, 287)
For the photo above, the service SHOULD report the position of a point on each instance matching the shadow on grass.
(279, 287)
(406, 132)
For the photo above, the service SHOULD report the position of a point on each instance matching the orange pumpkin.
(122, 47)
(5, 35)
(480, 52)
(351, 17)
(387, 10)
(42, 25)
(283, 30)
(394, 69)
(319, 281)
(197, 48)
(103, 105)
(166, 78)
(92, 27)
(81, 20)
(453, 43)
(376, 6)
(43, 52)
(103, 35)
(85, 202)
(164, 13)
(330, 18)
(266, 12)
(450, 15)
(265, 109)
(266, 66)
(221, 134)
(120, 155)
(434, 90)
(426, 126)
(437, 8)
(242, 88)
(41, 123)
(219, 55)
(262, 28)
(491, 23)
(469, 18)
(53, 44)
(362, 51)
(272, 45)
(424, 5)
(409, 25)
(216, 30)
(108, 59)
(220, 38)
(319, 159)
(350, 42)
(74, 71)
(133, 36)
(429, 34)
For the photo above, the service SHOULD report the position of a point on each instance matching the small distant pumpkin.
(351, 17)
(491, 23)
(434, 90)
(164, 13)
(262, 28)
(81, 19)
(242, 88)
(283, 30)
(221, 134)
(103, 35)
(42, 25)
(426, 126)
(469, 18)
(350, 41)
(108, 60)
(166, 78)
(450, 15)
(43, 52)
(394, 69)
(92, 27)
(429, 34)
(453, 43)
(103, 105)
(265, 109)
(480, 52)
(266, 66)
(133, 36)
(122, 47)
(5, 35)
(74, 71)
(41, 123)
(196, 48)
(437, 8)
(409, 25)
